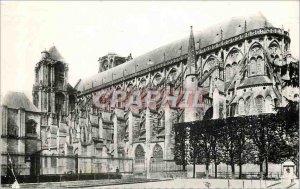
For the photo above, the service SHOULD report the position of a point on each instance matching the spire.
(191, 60)
(221, 34)
(266, 24)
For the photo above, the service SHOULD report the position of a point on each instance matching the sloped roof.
(255, 80)
(16, 100)
(55, 55)
(231, 28)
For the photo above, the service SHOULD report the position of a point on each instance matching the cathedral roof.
(16, 100)
(231, 28)
(255, 80)
(55, 55)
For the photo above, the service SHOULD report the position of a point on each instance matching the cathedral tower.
(50, 88)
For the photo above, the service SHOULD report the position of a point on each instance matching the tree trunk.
(232, 170)
(267, 167)
(216, 170)
(194, 163)
(206, 169)
(194, 169)
(297, 168)
(261, 169)
(240, 174)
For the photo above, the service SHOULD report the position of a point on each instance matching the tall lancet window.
(247, 106)
(260, 66)
(228, 71)
(241, 107)
(269, 104)
(234, 68)
(59, 75)
(252, 66)
(206, 82)
(259, 101)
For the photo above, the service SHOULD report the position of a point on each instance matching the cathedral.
(242, 67)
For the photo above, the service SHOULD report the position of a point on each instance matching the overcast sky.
(84, 31)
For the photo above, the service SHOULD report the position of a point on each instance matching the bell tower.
(51, 83)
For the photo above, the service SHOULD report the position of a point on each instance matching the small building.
(20, 133)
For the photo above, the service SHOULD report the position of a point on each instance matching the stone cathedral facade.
(241, 68)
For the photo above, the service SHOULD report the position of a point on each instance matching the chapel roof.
(54, 54)
(16, 100)
(211, 35)
(255, 80)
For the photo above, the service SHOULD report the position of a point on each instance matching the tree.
(215, 143)
(242, 143)
(228, 143)
(200, 145)
(180, 147)
(287, 134)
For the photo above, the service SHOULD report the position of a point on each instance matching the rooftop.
(16, 100)
(231, 28)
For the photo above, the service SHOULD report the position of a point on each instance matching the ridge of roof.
(54, 54)
(16, 100)
(174, 49)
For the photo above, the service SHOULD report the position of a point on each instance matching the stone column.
(191, 85)
(168, 129)
(147, 144)
(21, 119)
(3, 118)
(40, 99)
(52, 101)
(21, 115)
(67, 104)
(216, 104)
(115, 145)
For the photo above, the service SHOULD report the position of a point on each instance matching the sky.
(84, 31)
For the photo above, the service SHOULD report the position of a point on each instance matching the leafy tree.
(244, 147)
(228, 143)
(200, 145)
(215, 143)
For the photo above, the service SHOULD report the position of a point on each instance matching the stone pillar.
(130, 127)
(39, 105)
(115, 145)
(147, 144)
(52, 101)
(191, 85)
(3, 119)
(216, 104)
(22, 130)
(21, 116)
(3, 132)
(168, 129)
(67, 104)
(52, 76)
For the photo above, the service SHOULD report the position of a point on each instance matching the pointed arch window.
(241, 107)
(234, 68)
(228, 71)
(269, 104)
(247, 106)
(31, 127)
(259, 101)
(252, 66)
(260, 66)
(206, 82)
(59, 70)
(59, 102)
